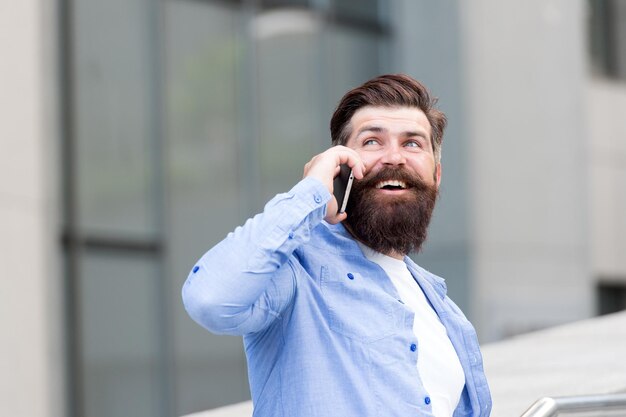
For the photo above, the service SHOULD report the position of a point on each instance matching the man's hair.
(392, 90)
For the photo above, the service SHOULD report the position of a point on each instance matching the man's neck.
(396, 255)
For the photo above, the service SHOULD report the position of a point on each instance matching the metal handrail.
(550, 407)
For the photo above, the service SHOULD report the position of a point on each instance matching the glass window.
(284, 3)
(119, 304)
(117, 285)
(367, 12)
(205, 161)
(115, 122)
(352, 57)
(611, 296)
(607, 37)
(287, 49)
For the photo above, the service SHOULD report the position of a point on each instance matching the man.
(336, 319)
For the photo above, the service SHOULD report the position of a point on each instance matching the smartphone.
(342, 185)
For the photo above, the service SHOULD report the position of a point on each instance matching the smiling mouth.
(391, 185)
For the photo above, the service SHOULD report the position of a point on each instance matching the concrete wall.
(30, 354)
(607, 150)
(525, 78)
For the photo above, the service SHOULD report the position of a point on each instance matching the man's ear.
(438, 174)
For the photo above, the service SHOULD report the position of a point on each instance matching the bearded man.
(337, 320)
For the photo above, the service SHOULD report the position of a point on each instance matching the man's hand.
(325, 167)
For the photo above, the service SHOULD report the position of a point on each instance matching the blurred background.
(136, 133)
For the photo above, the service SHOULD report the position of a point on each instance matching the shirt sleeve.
(244, 282)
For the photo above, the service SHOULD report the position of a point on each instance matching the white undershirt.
(437, 362)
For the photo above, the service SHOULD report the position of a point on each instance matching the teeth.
(392, 183)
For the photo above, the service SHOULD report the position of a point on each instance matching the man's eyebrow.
(412, 134)
(372, 129)
(380, 129)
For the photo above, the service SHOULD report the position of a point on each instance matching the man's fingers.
(351, 158)
(326, 166)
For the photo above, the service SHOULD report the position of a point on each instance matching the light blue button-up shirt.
(324, 331)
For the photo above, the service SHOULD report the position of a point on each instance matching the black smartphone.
(342, 185)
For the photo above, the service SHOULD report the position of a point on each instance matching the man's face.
(394, 136)
(390, 208)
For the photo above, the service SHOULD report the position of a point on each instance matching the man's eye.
(413, 144)
(370, 142)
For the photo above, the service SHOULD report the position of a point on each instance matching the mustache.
(392, 173)
(391, 225)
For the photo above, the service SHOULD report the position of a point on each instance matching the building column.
(31, 355)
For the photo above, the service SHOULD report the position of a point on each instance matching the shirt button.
(318, 199)
(291, 235)
(195, 269)
(413, 349)
(427, 400)
(350, 276)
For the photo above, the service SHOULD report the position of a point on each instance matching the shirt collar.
(437, 283)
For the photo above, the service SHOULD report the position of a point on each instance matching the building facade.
(137, 133)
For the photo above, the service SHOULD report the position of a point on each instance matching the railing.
(550, 407)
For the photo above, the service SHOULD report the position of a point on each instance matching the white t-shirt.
(437, 361)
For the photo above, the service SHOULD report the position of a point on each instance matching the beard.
(387, 223)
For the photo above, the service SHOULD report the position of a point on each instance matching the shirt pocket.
(359, 309)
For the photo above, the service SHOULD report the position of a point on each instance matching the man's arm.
(243, 283)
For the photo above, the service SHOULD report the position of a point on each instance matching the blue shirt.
(324, 331)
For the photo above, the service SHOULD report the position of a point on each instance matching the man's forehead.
(389, 117)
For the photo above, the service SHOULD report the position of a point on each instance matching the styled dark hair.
(392, 90)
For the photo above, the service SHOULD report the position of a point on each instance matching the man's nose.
(393, 156)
